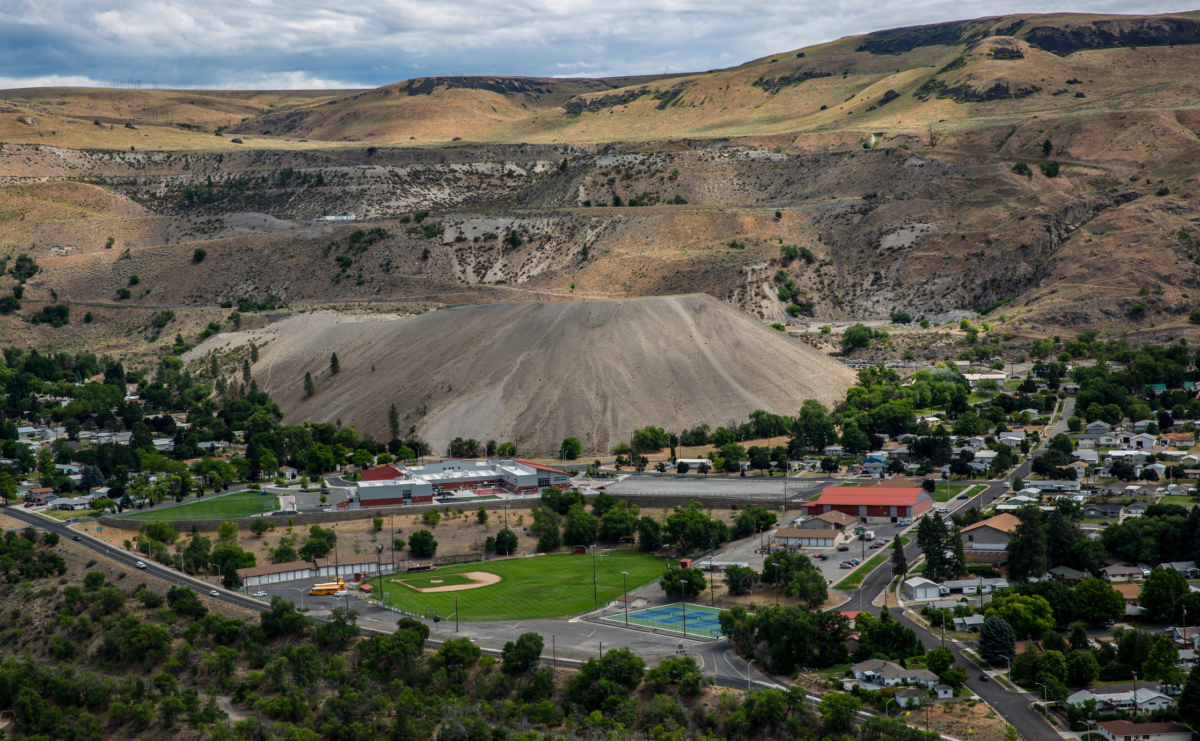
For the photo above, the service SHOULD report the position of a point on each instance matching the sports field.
(212, 507)
(533, 587)
(426, 582)
(690, 619)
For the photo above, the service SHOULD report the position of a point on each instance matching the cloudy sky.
(306, 44)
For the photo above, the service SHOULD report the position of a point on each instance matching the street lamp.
(625, 590)
(595, 588)
(1044, 699)
(748, 663)
(885, 707)
(301, 591)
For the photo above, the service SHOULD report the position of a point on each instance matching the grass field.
(536, 587)
(690, 619)
(855, 578)
(945, 493)
(1185, 501)
(445, 580)
(225, 506)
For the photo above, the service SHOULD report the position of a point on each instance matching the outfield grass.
(221, 507)
(445, 580)
(534, 587)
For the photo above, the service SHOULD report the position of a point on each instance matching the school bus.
(331, 588)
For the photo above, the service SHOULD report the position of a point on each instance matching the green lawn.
(1185, 501)
(62, 514)
(535, 587)
(225, 506)
(855, 579)
(945, 493)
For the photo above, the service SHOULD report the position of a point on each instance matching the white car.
(214, 593)
(260, 594)
(140, 565)
(943, 510)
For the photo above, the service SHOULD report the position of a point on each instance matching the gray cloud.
(264, 44)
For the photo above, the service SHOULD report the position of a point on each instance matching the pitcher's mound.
(450, 582)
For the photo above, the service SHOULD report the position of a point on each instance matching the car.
(984, 678)
(600, 488)
(855, 561)
(906, 521)
(1109, 623)
(845, 565)
(843, 547)
(875, 546)
(140, 565)
(881, 541)
(1106, 523)
(76, 537)
(214, 593)
(260, 594)
(962, 496)
(29, 504)
(943, 510)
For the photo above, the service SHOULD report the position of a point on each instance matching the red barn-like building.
(872, 502)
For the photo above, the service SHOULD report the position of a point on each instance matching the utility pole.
(625, 589)
(553, 653)
(456, 614)
(595, 588)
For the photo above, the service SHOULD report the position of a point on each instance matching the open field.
(534, 587)
(946, 492)
(426, 582)
(1184, 501)
(232, 506)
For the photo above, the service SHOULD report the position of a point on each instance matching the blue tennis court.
(694, 619)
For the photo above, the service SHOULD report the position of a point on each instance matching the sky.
(319, 44)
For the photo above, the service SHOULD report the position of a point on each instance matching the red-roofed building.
(392, 485)
(382, 473)
(872, 502)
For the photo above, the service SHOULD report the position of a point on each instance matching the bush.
(422, 544)
(1049, 169)
(199, 255)
(1022, 168)
(9, 304)
(134, 280)
(901, 317)
(123, 293)
(1194, 317)
(55, 315)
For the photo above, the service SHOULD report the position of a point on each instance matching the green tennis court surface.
(692, 619)
(220, 507)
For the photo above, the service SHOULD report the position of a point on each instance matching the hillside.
(534, 373)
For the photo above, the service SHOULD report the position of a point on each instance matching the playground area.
(678, 618)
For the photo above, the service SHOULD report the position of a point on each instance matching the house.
(878, 671)
(1123, 730)
(44, 498)
(795, 536)
(1146, 700)
(288, 472)
(1187, 568)
(910, 698)
(971, 622)
(834, 451)
(874, 464)
(1097, 427)
(68, 503)
(1090, 457)
(991, 534)
(1187, 658)
(972, 586)
(1068, 575)
(833, 520)
(1098, 509)
(1131, 592)
(944, 691)
(629, 602)
(1141, 441)
(1142, 424)
(1185, 635)
(1118, 574)
(919, 588)
(1137, 508)
(34, 495)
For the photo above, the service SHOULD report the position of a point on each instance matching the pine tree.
(958, 563)
(996, 640)
(245, 371)
(253, 353)
(222, 386)
(334, 366)
(214, 369)
(899, 560)
(394, 422)
(931, 539)
(1189, 700)
(309, 387)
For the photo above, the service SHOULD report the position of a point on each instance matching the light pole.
(301, 591)
(1044, 699)
(456, 614)
(748, 663)
(885, 707)
(625, 590)
(595, 588)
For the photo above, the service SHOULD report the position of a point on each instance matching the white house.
(910, 698)
(1097, 427)
(971, 623)
(878, 671)
(1147, 700)
(944, 691)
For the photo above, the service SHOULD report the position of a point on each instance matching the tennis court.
(695, 619)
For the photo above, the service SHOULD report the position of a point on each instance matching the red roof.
(1125, 728)
(383, 473)
(539, 466)
(868, 495)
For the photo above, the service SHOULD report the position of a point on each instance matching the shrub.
(9, 304)
(134, 280)
(1049, 169)
(901, 317)
(1022, 168)
(199, 255)
(56, 315)
(1194, 317)
(123, 293)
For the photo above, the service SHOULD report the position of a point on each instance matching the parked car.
(875, 546)
(843, 547)
(140, 565)
(943, 510)
(260, 594)
(29, 504)
(855, 561)
(1106, 523)
(962, 496)
(845, 565)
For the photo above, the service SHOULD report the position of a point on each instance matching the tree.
(320, 542)
(685, 582)
(1189, 700)
(1028, 615)
(740, 579)
(1161, 593)
(1162, 662)
(1098, 601)
(523, 655)
(309, 387)
(857, 336)
(394, 422)
(839, 709)
(932, 540)
(604, 684)
(1082, 668)
(1027, 546)
(283, 619)
(570, 448)
(996, 640)
(422, 544)
(582, 527)
(649, 534)
(939, 660)
(854, 440)
(91, 477)
(506, 542)
(334, 365)
(829, 465)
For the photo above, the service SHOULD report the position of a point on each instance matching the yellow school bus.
(331, 588)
